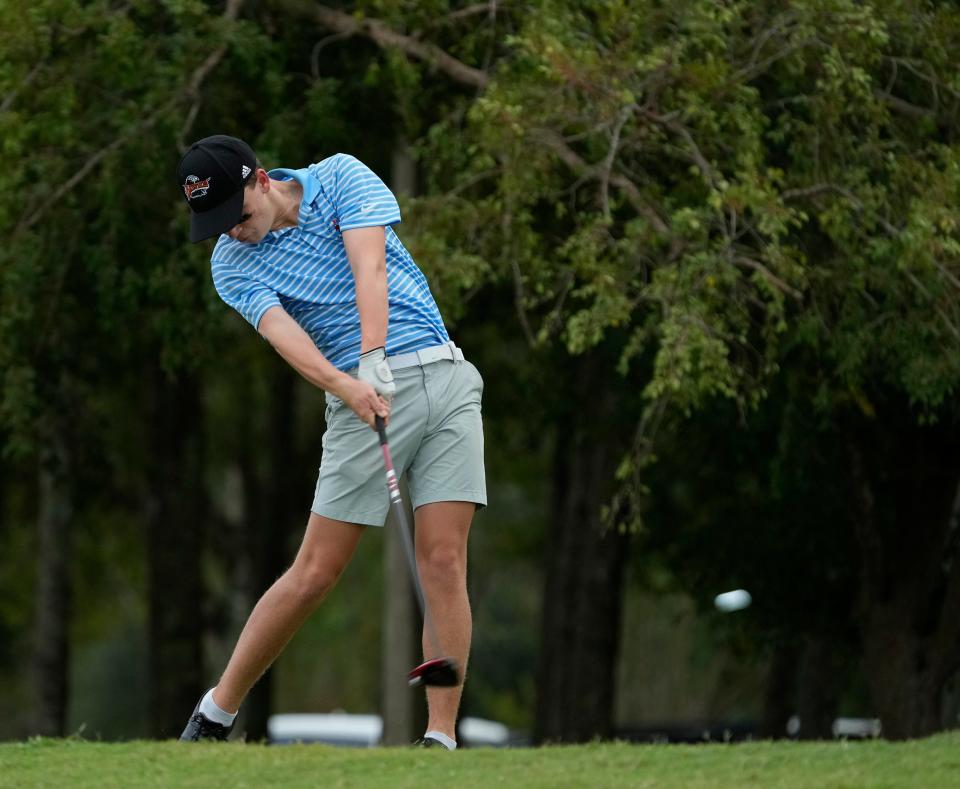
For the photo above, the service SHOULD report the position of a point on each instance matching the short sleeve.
(247, 296)
(362, 199)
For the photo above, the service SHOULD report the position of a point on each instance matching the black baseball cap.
(211, 175)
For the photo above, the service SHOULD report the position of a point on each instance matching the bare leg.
(442, 530)
(327, 547)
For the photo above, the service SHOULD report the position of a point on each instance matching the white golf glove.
(375, 371)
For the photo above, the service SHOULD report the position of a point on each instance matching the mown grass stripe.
(931, 762)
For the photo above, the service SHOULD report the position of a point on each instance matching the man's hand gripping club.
(373, 373)
(363, 399)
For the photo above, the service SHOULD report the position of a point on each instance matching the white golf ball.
(733, 601)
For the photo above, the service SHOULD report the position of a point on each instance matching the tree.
(81, 262)
(732, 190)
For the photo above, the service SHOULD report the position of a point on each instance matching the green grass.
(933, 762)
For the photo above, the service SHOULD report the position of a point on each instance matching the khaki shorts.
(436, 439)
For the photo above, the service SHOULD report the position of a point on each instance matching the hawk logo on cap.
(194, 187)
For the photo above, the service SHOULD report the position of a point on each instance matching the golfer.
(310, 259)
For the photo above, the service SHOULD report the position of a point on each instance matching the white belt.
(436, 353)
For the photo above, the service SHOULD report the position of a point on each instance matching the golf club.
(442, 671)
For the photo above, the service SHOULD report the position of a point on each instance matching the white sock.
(212, 712)
(451, 745)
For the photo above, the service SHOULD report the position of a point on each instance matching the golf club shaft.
(393, 484)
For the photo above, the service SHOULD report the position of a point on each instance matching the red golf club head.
(439, 672)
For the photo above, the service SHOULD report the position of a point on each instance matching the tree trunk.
(176, 511)
(905, 481)
(51, 654)
(584, 572)
(900, 671)
(821, 677)
(779, 703)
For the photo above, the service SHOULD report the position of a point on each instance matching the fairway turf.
(932, 762)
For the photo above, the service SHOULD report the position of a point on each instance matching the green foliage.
(727, 182)
(89, 252)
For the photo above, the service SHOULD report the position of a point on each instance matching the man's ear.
(263, 180)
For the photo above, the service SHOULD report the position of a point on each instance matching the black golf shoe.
(429, 742)
(200, 727)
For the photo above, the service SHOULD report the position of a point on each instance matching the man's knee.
(312, 581)
(443, 564)
(325, 552)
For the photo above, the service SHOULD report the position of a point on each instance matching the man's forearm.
(371, 282)
(366, 251)
(299, 350)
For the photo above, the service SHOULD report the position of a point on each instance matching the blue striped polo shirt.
(305, 270)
